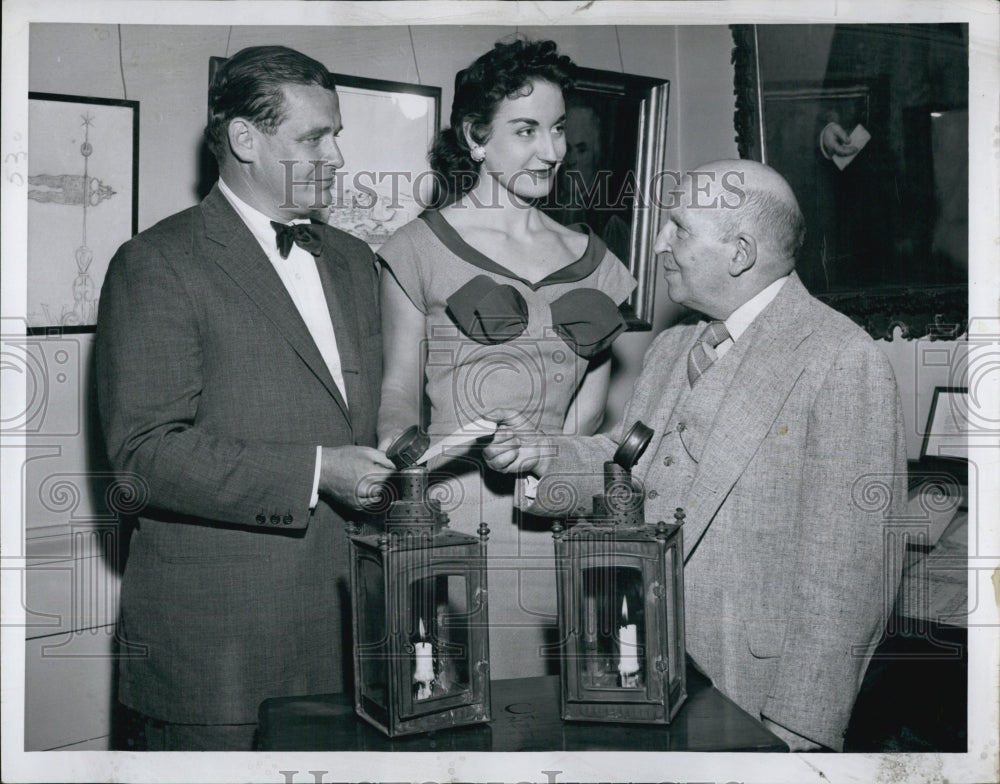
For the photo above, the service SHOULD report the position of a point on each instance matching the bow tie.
(302, 234)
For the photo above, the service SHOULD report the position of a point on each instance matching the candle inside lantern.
(628, 658)
(423, 665)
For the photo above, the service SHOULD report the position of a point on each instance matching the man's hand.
(834, 140)
(354, 475)
(515, 451)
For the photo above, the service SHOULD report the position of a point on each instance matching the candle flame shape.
(624, 611)
(423, 631)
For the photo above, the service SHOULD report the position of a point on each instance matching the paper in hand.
(858, 139)
(457, 442)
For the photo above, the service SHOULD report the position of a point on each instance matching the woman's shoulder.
(409, 238)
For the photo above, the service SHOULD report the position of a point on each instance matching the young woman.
(493, 312)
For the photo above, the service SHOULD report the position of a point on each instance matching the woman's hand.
(514, 451)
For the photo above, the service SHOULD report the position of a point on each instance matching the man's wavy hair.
(506, 71)
(249, 84)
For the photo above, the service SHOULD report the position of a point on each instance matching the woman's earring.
(478, 153)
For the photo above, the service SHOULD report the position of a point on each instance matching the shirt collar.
(258, 223)
(743, 316)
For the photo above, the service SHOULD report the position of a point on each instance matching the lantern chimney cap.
(633, 445)
(408, 447)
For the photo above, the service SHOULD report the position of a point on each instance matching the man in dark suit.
(778, 430)
(238, 371)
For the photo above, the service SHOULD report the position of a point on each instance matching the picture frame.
(616, 127)
(83, 203)
(388, 130)
(887, 231)
(948, 425)
(944, 450)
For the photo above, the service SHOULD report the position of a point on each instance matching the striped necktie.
(699, 360)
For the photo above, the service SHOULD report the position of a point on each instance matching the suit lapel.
(674, 385)
(334, 273)
(768, 372)
(244, 261)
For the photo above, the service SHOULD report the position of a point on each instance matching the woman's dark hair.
(506, 71)
(249, 84)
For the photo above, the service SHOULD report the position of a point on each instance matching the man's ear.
(744, 256)
(242, 139)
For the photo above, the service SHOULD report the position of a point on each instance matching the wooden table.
(525, 718)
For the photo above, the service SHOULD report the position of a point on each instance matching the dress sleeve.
(614, 279)
(400, 256)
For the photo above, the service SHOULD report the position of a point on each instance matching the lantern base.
(444, 718)
(625, 711)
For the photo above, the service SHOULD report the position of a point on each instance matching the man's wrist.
(314, 496)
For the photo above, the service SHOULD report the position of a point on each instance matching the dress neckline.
(575, 271)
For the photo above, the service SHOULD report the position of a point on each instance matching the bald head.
(754, 199)
(734, 229)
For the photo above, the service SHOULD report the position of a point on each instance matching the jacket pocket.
(194, 543)
(765, 637)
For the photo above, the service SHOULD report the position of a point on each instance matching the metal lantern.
(620, 589)
(418, 595)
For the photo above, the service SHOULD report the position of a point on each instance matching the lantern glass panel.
(372, 640)
(613, 624)
(439, 613)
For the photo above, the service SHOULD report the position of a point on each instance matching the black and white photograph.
(492, 391)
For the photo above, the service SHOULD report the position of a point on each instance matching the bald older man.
(779, 432)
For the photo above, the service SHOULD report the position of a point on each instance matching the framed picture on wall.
(388, 130)
(83, 203)
(616, 128)
(887, 229)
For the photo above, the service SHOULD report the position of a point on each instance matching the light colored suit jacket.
(793, 565)
(213, 398)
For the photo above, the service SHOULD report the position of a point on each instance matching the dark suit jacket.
(213, 399)
(789, 515)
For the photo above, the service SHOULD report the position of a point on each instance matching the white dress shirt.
(301, 278)
(743, 316)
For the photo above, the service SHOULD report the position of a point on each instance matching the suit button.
(261, 519)
(287, 519)
(668, 461)
(275, 520)
(652, 494)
